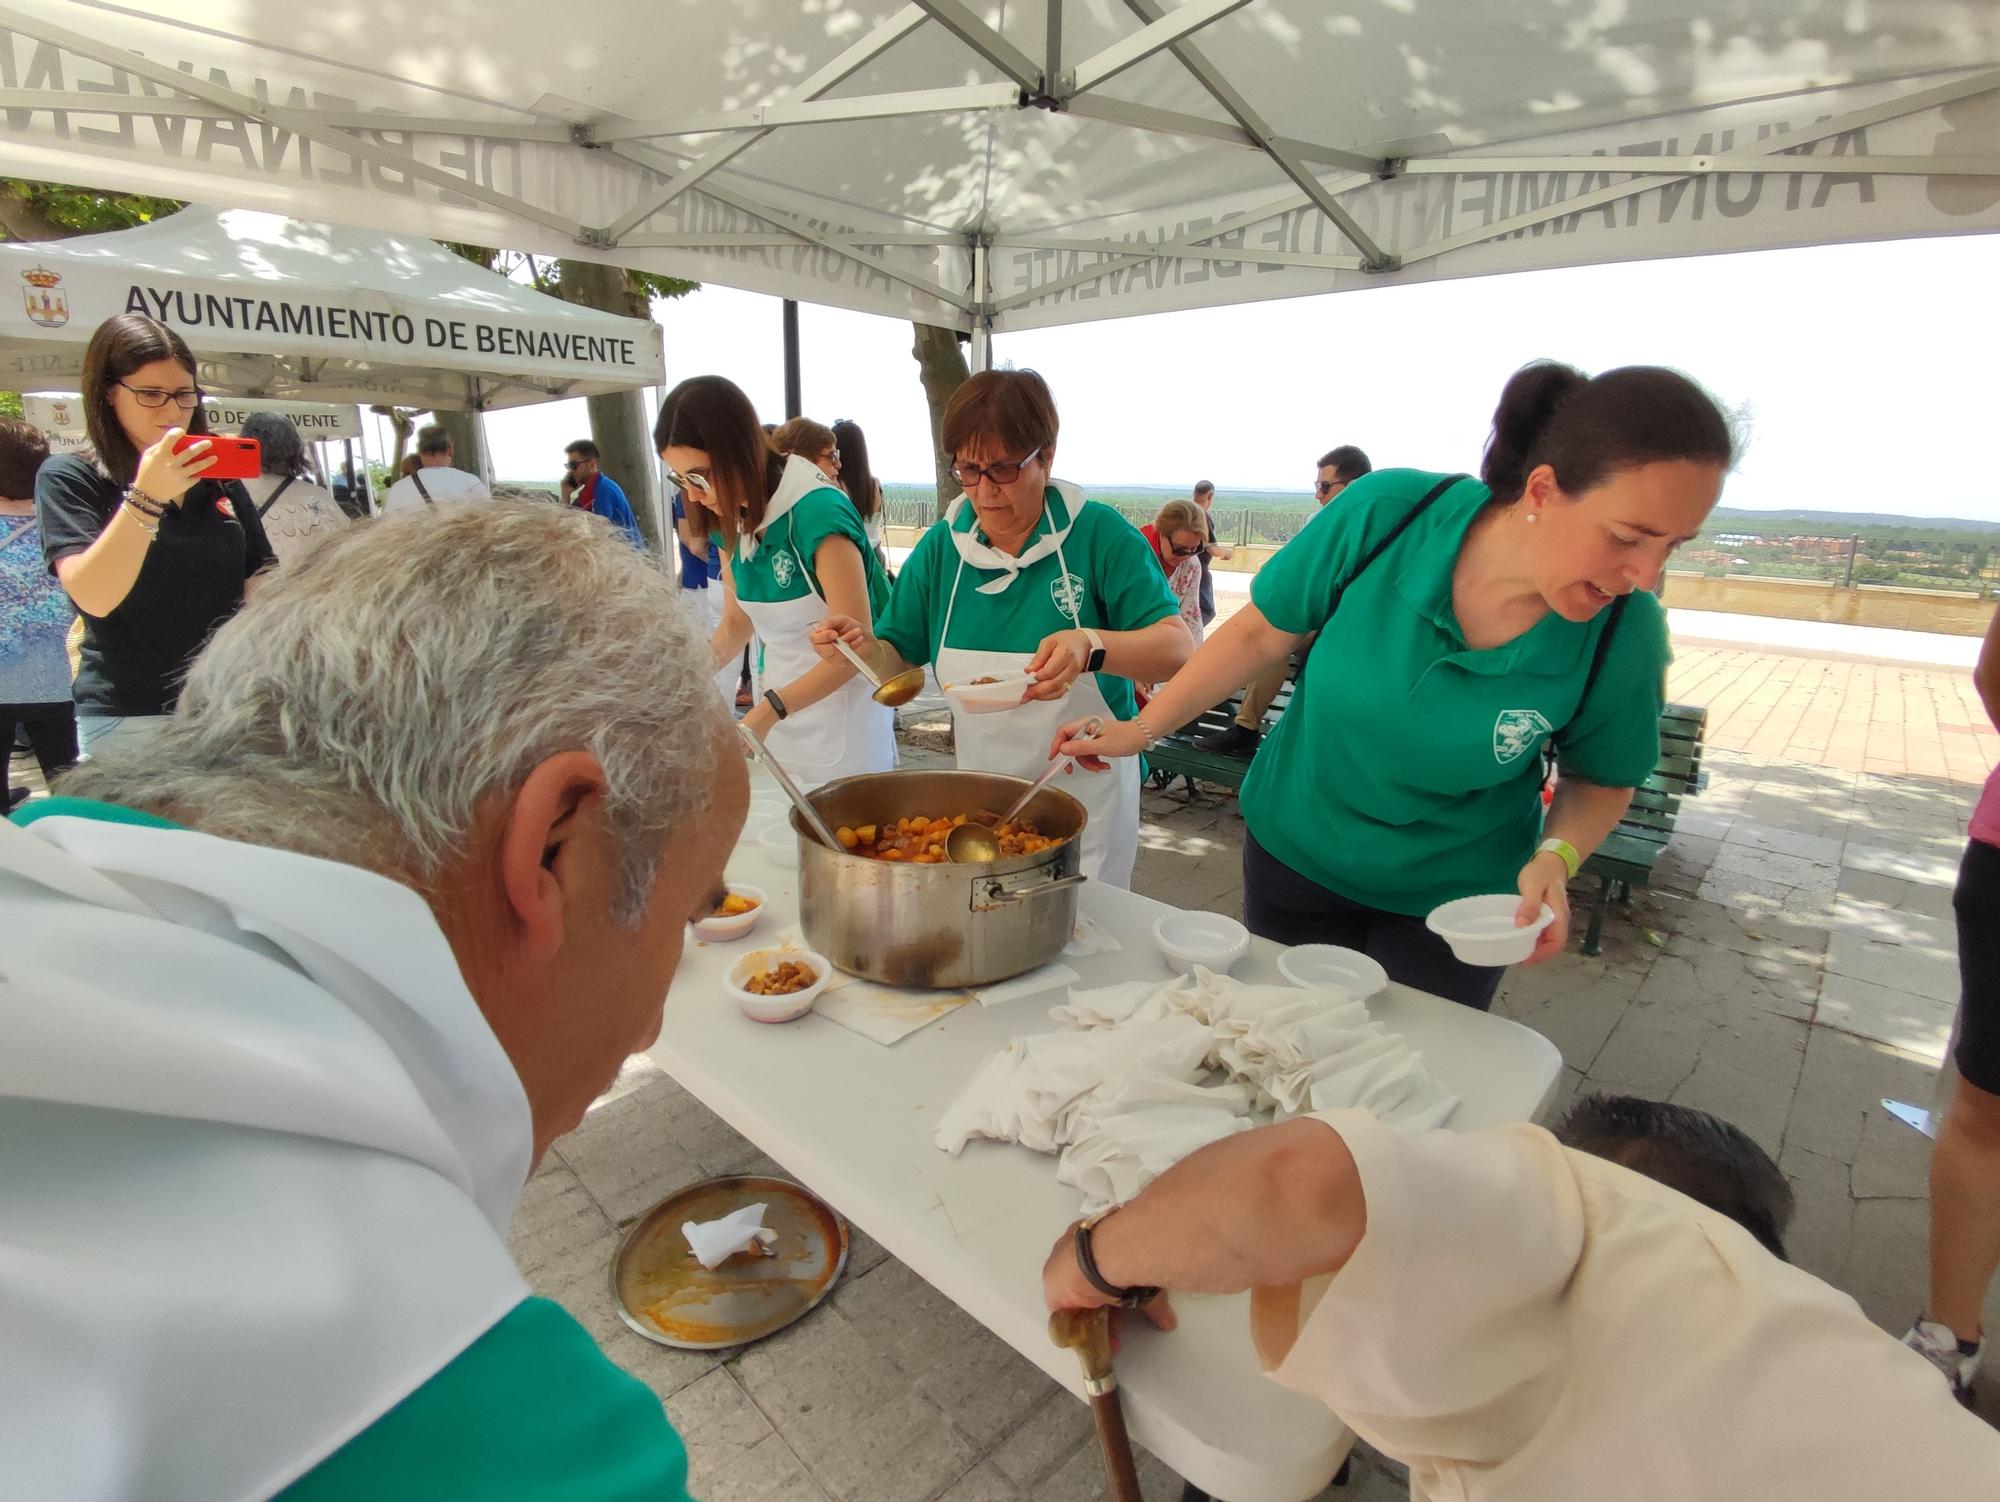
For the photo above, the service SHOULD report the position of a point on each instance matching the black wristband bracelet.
(1086, 1261)
(777, 705)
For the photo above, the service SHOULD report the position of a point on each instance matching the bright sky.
(1865, 372)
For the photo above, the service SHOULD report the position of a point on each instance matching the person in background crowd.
(1027, 580)
(1338, 469)
(857, 478)
(1605, 1312)
(1965, 1163)
(811, 441)
(434, 479)
(1204, 497)
(587, 487)
(1464, 626)
(793, 553)
(35, 616)
(1175, 536)
(297, 513)
(410, 465)
(154, 556)
(301, 991)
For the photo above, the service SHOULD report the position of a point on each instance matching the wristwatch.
(1095, 662)
(777, 705)
(1086, 1261)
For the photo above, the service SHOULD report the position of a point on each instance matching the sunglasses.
(694, 479)
(1187, 552)
(1327, 487)
(152, 398)
(970, 475)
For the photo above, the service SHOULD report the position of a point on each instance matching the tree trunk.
(468, 443)
(403, 422)
(941, 363)
(22, 220)
(619, 422)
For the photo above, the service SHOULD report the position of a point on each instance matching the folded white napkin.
(1091, 937)
(1120, 1153)
(1047, 977)
(714, 1242)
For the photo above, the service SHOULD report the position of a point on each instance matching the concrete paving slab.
(1915, 1024)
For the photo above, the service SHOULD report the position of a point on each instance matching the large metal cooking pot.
(945, 925)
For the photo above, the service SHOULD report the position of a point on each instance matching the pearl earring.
(1532, 518)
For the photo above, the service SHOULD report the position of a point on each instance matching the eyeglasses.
(152, 398)
(970, 475)
(694, 479)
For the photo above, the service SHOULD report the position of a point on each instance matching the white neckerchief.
(1009, 565)
(800, 479)
(260, 1154)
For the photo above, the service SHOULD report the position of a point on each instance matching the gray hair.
(434, 438)
(371, 696)
(284, 453)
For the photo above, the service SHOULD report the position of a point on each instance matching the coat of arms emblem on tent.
(47, 303)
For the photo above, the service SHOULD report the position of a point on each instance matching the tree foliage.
(545, 273)
(52, 211)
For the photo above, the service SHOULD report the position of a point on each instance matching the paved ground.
(1793, 964)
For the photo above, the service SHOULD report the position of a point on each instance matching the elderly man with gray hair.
(296, 995)
(434, 479)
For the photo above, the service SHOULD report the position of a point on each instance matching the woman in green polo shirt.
(1462, 625)
(795, 553)
(1026, 580)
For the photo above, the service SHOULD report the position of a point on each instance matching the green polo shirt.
(1112, 577)
(531, 1411)
(785, 567)
(1407, 770)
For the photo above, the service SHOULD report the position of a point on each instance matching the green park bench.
(1630, 852)
(1175, 756)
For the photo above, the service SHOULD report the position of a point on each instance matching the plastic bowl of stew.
(723, 928)
(786, 1006)
(1006, 692)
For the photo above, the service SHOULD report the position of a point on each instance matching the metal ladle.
(791, 788)
(894, 691)
(972, 844)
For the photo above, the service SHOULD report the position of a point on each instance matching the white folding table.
(852, 1119)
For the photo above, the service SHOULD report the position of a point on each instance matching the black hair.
(281, 450)
(1589, 428)
(1349, 463)
(123, 343)
(583, 448)
(857, 475)
(23, 447)
(1703, 1156)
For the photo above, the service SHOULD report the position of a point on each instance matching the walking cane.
(1088, 1333)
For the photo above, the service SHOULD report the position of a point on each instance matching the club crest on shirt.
(783, 569)
(1517, 732)
(1067, 593)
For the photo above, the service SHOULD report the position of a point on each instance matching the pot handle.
(991, 893)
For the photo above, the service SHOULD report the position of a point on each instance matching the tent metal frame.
(721, 139)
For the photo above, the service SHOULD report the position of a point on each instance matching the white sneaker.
(1957, 1359)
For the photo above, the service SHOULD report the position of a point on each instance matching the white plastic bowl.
(1481, 931)
(720, 930)
(989, 698)
(1333, 965)
(1209, 939)
(787, 1008)
(780, 842)
(766, 807)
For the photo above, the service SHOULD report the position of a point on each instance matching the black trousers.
(1976, 902)
(51, 732)
(1282, 905)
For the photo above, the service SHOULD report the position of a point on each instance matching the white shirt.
(1525, 1322)
(444, 484)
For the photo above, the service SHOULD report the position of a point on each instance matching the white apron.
(847, 732)
(1017, 741)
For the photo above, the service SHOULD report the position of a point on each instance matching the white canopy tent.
(1008, 164)
(276, 307)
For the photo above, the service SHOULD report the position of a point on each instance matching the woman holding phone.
(155, 555)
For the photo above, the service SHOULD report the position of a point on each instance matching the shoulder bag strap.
(1597, 657)
(1394, 532)
(272, 499)
(417, 479)
(27, 526)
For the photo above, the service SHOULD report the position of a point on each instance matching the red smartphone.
(235, 458)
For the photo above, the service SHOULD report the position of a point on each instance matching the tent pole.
(982, 314)
(794, 398)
